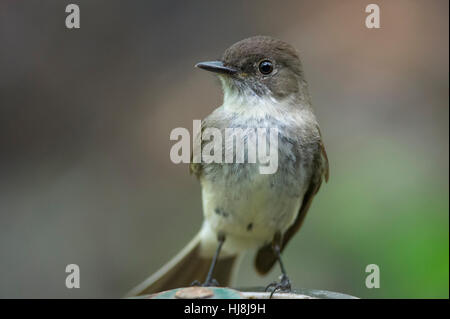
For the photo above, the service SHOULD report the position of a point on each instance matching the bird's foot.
(196, 283)
(208, 283)
(211, 283)
(283, 285)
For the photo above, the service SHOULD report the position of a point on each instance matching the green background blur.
(85, 118)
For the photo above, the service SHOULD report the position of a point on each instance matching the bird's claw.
(283, 285)
(209, 283)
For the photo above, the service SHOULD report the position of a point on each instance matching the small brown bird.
(264, 87)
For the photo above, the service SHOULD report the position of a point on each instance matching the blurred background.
(85, 118)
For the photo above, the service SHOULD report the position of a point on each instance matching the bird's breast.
(238, 200)
(250, 207)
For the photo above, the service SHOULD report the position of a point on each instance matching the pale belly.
(248, 211)
(249, 207)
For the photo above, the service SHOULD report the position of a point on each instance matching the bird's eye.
(265, 67)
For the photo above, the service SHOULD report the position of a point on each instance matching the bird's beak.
(216, 66)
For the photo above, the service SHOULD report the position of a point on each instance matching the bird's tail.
(186, 267)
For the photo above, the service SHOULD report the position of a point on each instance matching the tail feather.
(186, 267)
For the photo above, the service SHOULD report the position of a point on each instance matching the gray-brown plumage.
(264, 88)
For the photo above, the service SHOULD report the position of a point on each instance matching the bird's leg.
(284, 284)
(210, 281)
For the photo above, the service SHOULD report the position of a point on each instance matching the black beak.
(216, 66)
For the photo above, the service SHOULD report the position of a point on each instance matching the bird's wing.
(196, 168)
(265, 258)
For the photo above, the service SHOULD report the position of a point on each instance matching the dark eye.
(265, 67)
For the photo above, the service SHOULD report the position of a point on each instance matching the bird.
(264, 87)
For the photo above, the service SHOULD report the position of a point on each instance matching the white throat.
(249, 104)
